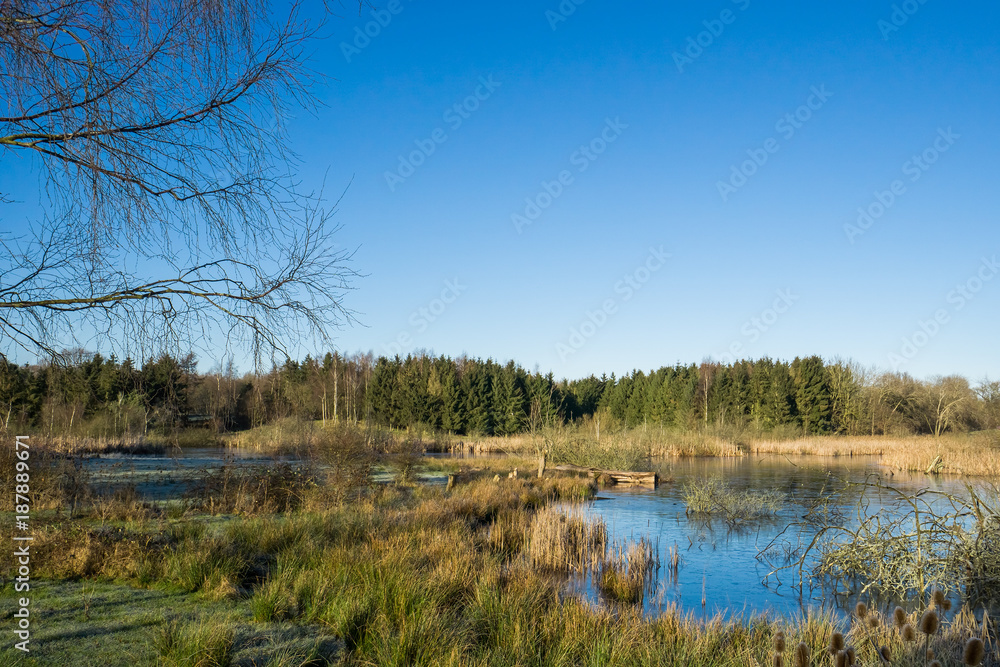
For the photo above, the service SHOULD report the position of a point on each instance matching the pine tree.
(452, 399)
(476, 383)
(507, 402)
(812, 394)
(779, 402)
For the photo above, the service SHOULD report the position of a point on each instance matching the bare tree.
(989, 395)
(943, 403)
(171, 212)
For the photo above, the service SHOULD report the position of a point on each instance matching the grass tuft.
(713, 497)
(206, 643)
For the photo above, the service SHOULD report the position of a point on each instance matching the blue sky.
(889, 91)
(829, 102)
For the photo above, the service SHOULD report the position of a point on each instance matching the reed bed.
(970, 454)
(976, 454)
(559, 541)
(628, 571)
(76, 445)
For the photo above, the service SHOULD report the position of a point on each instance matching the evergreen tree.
(812, 394)
(476, 384)
(508, 402)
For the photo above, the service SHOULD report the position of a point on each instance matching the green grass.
(205, 643)
(106, 624)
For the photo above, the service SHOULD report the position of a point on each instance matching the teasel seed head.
(929, 622)
(873, 621)
(974, 652)
(909, 634)
(836, 642)
(851, 655)
(885, 653)
(938, 597)
(930, 654)
(934, 663)
(861, 609)
(946, 605)
(841, 659)
(777, 660)
(899, 616)
(779, 642)
(802, 655)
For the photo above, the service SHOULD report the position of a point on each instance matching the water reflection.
(734, 567)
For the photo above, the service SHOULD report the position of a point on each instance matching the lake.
(722, 563)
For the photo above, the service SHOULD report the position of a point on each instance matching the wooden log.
(620, 476)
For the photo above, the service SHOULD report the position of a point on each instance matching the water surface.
(723, 563)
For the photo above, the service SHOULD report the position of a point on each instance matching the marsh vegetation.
(309, 561)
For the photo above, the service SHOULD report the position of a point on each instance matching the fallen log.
(650, 479)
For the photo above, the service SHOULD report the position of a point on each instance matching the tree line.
(81, 393)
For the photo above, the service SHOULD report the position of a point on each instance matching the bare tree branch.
(172, 211)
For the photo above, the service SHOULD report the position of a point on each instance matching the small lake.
(721, 563)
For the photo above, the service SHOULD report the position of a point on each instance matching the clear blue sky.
(681, 117)
(890, 90)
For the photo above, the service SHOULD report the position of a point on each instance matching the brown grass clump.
(625, 573)
(248, 490)
(561, 542)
